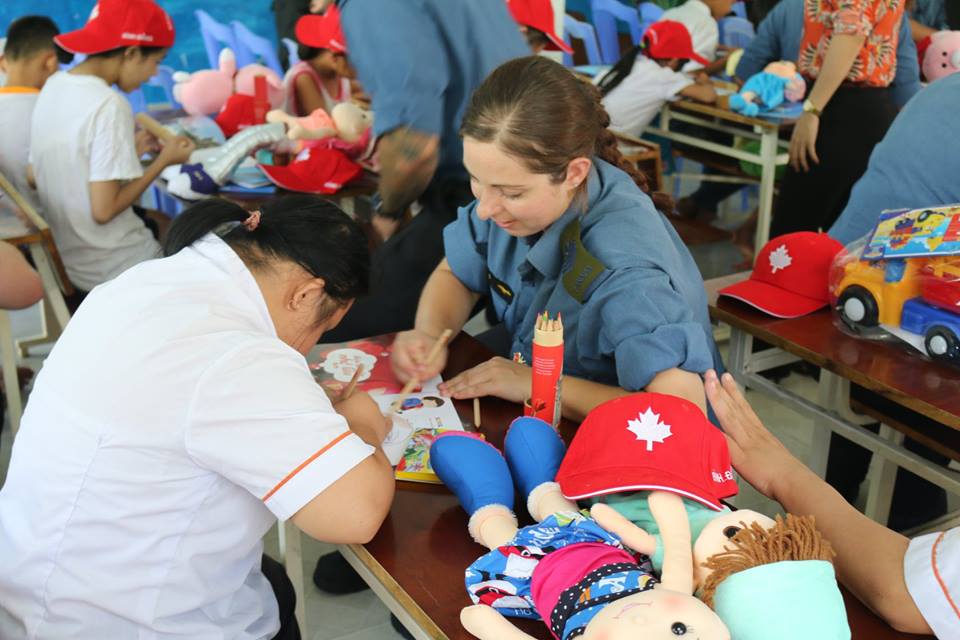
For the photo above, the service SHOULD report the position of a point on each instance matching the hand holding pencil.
(411, 357)
(414, 382)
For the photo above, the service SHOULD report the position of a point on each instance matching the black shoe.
(399, 628)
(335, 575)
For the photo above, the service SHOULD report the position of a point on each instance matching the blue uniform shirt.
(914, 165)
(421, 60)
(778, 38)
(631, 296)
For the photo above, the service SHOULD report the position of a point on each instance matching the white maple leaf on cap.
(649, 428)
(780, 259)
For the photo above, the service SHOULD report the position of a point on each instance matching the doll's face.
(783, 69)
(716, 536)
(657, 614)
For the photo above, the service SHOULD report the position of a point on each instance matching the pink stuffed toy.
(942, 56)
(206, 92)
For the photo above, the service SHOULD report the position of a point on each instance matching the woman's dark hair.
(622, 68)
(306, 230)
(537, 111)
(113, 53)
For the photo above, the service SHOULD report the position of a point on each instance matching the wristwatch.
(809, 107)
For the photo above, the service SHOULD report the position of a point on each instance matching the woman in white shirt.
(914, 585)
(176, 420)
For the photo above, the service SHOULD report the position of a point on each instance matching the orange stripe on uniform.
(305, 463)
(936, 573)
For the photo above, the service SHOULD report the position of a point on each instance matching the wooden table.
(416, 562)
(767, 131)
(888, 369)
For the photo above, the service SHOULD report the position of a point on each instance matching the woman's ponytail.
(305, 230)
(608, 148)
(199, 220)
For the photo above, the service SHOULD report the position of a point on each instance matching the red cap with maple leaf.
(791, 276)
(649, 442)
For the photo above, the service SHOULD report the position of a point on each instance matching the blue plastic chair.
(164, 80)
(252, 48)
(736, 32)
(606, 13)
(739, 9)
(649, 13)
(292, 55)
(573, 28)
(216, 36)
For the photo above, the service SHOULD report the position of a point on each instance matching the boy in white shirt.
(701, 17)
(914, 585)
(30, 58)
(649, 75)
(84, 155)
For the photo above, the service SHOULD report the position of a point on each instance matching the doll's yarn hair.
(793, 538)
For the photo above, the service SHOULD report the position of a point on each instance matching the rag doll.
(785, 572)
(779, 82)
(347, 127)
(573, 571)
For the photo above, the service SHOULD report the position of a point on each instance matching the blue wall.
(188, 53)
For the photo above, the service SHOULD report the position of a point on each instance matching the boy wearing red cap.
(649, 74)
(321, 79)
(84, 155)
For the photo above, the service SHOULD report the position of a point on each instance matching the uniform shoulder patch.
(584, 269)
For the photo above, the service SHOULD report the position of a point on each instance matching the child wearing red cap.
(321, 79)
(649, 74)
(84, 154)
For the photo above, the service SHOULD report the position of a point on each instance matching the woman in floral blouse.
(848, 55)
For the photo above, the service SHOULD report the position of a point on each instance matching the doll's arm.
(631, 535)
(668, 511)
(487, 623)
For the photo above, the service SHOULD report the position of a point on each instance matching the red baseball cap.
(120, 23)
(538, 14)
(791, 276)
(670, 39)
(322, 31)
(648, 441)
(316, 170)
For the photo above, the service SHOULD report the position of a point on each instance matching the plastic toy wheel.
(858, 307)
(942, 344)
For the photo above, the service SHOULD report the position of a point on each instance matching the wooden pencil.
(476, 413)
(352, 385)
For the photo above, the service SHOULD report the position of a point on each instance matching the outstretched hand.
(756, 453)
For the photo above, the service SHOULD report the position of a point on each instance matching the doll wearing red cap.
(574, 571)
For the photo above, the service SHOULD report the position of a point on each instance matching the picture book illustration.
(906, 233)
(418, 412)
(333, 365)
(414, 464)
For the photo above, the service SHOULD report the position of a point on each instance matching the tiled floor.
(362, 617)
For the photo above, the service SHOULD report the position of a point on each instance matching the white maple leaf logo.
(649, 428)
(780, 259)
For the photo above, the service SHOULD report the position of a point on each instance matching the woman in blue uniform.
(562, 223)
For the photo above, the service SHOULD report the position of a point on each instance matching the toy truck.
(914, 298)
